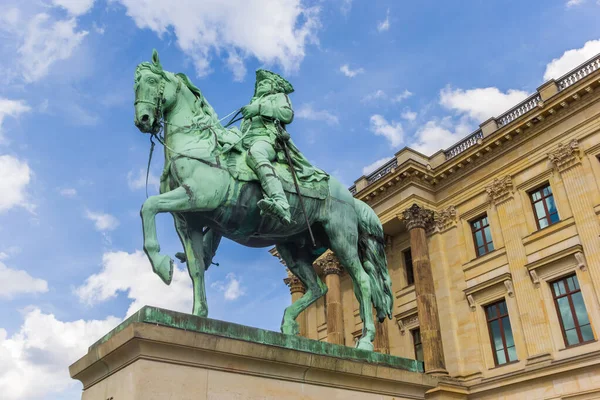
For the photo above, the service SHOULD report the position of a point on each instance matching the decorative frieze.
(500, 189)
(565, 156)
(407, 323)
(417, 217)
(445, 219)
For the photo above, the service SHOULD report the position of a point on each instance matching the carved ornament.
(445, 218)
(417, 217)
(500, 189)
(329, 264)
(581, 263)
(294, 283)
(565, 156)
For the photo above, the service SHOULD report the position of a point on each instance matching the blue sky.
(370, 78)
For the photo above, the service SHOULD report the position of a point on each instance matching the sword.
(289, 160)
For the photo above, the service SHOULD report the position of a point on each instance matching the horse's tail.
(372, 256)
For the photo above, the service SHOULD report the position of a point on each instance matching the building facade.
(493, 248)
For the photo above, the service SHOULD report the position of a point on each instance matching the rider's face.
(263, 87)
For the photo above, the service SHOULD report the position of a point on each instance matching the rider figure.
(269, 107)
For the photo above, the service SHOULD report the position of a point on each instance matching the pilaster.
(529, 301)
(566, 160)
(417, 220)
(332, 270)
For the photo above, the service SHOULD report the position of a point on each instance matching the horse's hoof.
(164, 268)
(290, 328)
(365, 344)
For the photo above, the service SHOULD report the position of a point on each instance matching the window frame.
(410, 277)
(498, 317)
(486, 244)
(415, 344)
(543, 198)
(568, 294)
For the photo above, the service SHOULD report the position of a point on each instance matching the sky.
(371, 77)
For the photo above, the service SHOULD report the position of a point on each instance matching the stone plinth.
(160, 354)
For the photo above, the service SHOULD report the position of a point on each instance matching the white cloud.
(402, 96)
(393, 131)
(11, 108)
(385, 24)
(346, 6)
(75, 7)
(572, 3)
(382, 95)
(17, 281)
(138, 181)
(68, 192)
(373, 166)
(3, 255)
(350, 73)
(34, 361)
(409, 115)
(102, 221)
(46, 41)
(131, 273)
(376, 95)
(15, 175)
(272, 31)
(306, 111)
(437, 135)
(571, 59)
(231, 288)
(481, 103)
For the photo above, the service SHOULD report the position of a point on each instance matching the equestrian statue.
(252, 185)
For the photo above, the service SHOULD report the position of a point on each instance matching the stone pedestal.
(160, 354)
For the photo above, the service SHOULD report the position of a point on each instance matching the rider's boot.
(276, 203)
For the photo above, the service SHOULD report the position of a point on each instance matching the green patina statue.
(252, 185)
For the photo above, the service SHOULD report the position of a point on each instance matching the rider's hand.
(250, 110)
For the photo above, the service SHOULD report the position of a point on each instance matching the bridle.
(158, 102)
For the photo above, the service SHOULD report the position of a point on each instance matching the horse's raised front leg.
(192, 241)
(173, 201)
(299, 261)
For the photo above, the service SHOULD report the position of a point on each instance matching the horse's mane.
(205, 107)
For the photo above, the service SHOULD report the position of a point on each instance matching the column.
(531, 309)
(332, 270)
(297, 290)
(416, 220)
(567, 161)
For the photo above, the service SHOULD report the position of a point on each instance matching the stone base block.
(160, 354)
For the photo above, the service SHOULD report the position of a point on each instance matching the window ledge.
(550, 229)
(504, 365)
(484, 258)
(578, 345)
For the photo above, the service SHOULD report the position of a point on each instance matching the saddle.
(315, 186)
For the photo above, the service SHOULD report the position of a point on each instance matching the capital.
(565, 156)
(329, 264)
(294, 283)
(445, 218)
(500, 189)
(417, 217)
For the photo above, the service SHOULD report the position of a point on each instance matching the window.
(544, 207)
(408, 267)
(501, 337)
(482, 237)
(571, 311)
(416, 335)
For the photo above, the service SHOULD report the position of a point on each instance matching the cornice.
(505, 139)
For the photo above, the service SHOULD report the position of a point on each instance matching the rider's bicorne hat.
(281, 84)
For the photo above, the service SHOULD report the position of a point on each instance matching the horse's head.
(155, 93)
